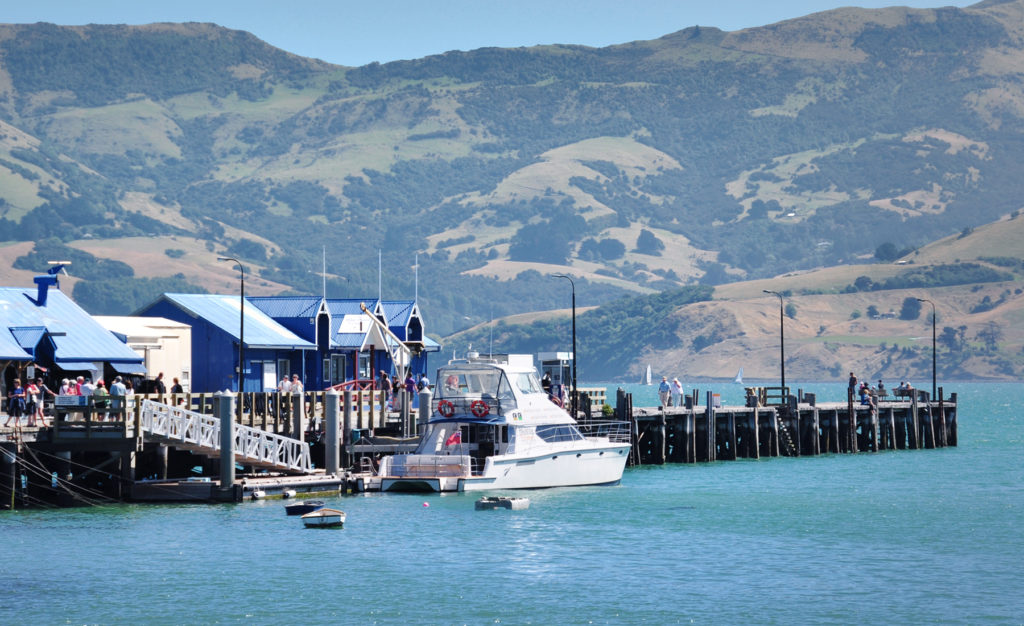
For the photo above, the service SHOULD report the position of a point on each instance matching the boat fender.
(446, 408)
(479, 408)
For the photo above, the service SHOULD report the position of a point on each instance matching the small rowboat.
(490, 503)
(303, 507)
(324, 518)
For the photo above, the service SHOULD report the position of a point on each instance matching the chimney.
(43, 283)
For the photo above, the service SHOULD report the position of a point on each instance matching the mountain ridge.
(703, 156)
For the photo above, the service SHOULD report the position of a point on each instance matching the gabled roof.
(223, 312)
(75, 334)
(10, 350)
(398, 312)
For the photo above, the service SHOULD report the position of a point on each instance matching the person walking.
(677, 392)
(665, 392)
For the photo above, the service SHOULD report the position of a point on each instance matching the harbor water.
(915, 536)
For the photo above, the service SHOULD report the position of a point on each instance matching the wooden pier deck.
(708, 433)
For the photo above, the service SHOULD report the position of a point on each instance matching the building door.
(339, 365)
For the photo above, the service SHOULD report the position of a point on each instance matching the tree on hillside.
(887, 252)
(911, 309)
(648, 243)
(990, 334)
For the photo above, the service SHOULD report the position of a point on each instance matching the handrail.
(256, 446)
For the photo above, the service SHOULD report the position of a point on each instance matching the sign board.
(71, 400)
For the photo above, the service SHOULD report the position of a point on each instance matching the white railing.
(428, 466)
(252, 445)
(616, 432)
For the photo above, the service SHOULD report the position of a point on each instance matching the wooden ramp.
(200, 433)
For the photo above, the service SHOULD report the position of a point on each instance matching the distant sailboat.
(646, 380)
(739, 377)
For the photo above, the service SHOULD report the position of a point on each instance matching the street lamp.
(933, 342)
(782, 341)
(573, 400)
(241, 323)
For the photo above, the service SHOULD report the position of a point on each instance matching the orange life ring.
(446, 408)
(479, 408)
(557, 401)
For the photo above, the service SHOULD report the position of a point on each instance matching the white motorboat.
(324, 518)
(493, 427)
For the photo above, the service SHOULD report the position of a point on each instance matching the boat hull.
(324, 518)
(301, 508)
(601, 465)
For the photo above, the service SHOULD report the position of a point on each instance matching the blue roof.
(28, 337)
(10, 350)
(279, 307)
(75, 334)
(398, 312)
(261, 331)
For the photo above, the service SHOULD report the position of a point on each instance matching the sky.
(353, 33)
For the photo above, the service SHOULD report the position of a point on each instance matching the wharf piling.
(799, 426)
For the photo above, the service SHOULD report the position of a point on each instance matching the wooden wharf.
(801, 427)
(99, 451)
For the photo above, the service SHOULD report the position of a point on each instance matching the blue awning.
(129, 368)
(77, 366)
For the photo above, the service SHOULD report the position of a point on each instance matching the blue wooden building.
(349, 346)
(44, 328)
(271, 349)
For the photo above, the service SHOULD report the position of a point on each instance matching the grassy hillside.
(785, 155)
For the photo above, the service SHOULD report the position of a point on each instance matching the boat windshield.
(456, 383)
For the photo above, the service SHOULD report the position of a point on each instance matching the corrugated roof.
(398, 312)
(76, 335)
(287, 306)
(10, 350)
(28, 337)
(223, 312)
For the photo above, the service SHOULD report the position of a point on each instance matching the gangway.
(182, 428)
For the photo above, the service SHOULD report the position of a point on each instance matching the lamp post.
(933, 342)
(782, 340)
(241, 324)
(573, 400)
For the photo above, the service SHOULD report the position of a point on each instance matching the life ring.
(479, 408)
(557, 401)
(446, 408)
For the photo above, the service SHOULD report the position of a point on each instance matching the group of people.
(28, 400)
(391, 385)
(670, 393)
(293, 385)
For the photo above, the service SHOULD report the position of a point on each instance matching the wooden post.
(915, 425)
(347, 429)
(943, 435)
(659, 438)
(755, 431)
(710, 417)
(226, 413)
(331, 464)
(680, 439)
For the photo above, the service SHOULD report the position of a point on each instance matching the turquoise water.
(898, 537)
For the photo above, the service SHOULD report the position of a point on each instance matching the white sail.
(739, 377)
(647, 376)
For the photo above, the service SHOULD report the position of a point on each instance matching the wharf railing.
(201, 432)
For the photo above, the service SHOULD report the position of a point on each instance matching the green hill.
(703, 157)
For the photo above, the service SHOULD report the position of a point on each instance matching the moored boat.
(303, 507)
(493, 427)
(324, 518)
